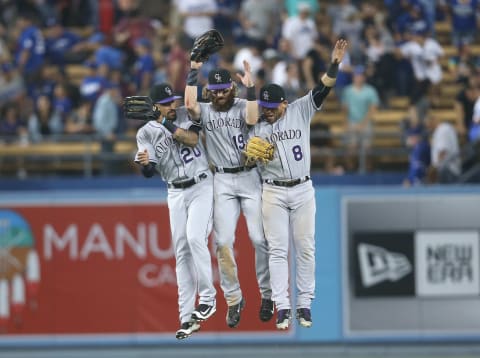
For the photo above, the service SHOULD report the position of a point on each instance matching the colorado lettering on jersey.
(224, 122)
(284, 135)
(162, 146)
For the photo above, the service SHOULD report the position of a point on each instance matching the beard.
(171, 115)
(225, 105)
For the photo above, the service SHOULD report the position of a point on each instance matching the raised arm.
(191, 90)
(252, 106)
(328, 80)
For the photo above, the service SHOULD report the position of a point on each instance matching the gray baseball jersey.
(174, 160)
(226, 133)
(291, 137)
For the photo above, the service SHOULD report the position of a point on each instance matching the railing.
(82, 155)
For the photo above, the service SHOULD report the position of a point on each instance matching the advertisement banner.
(384, 264)
(88, 268)
(447, 263)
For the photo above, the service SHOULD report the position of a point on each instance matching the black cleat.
(233, 314)
(304, 317)
(187, 329)
(203, 312)
(266, 310)
(284, 317)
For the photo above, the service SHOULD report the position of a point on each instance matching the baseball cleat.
(266, 310)
(186, 329)
(233, 314)
(204, 312)
(284, 317)
(304, 317)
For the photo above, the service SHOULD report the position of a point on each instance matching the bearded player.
(169, 146)
(236, 186)
(288, 195)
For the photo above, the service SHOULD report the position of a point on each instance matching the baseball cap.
(219, 79)
(143, 41)
(271, 96)
(359, 70)
(162, 93)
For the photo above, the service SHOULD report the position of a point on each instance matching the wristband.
(192, 77)
(169, 125)
(251, 95)
(330, 77)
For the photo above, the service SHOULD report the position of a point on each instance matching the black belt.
(287, 183)
(186, 183)
(233, 170)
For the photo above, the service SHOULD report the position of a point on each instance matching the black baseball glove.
(205, 45)
(140, 107)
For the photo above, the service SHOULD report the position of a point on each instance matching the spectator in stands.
(178, 62)
(464, 104)
(197, 16)
(30, 52)
(300, 32)
(465, 64)
(79, 14)
(419, 157)
(131, 27)
(360, 101)
(346, 21)
(12, 87)
(252, 18)
(315, 62)
(44, 121)
(105, 118)
(474, 129)
(250, 52)
(80, 120)
(59, 41)
(12, 127)
(464, 21)
(62, 103)
(423, 53)
(144, 66)
(92, 84)
(445, 151)
(227, 21)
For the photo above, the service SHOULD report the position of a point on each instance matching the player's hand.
(246, 78)
(143, 158)
(339, 50)
(195, 65)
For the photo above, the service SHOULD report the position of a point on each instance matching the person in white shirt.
(445, 150)
(197, 15)
(300, 31)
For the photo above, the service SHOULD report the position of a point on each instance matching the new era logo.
(378, 265)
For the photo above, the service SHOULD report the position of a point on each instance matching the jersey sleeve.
(144, 141)
(204, 109)
(304, 107)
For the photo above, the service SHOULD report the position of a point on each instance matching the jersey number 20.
(188, 153)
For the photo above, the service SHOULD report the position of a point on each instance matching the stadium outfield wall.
(96, 267)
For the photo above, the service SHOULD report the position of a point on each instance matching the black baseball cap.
(162, 93)
(219, 79)
(271, 96)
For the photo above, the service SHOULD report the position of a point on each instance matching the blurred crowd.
(67, 64)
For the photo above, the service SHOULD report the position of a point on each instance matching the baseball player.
(288, 199)
(236, 186)
(170, 146)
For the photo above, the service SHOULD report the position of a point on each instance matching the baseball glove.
(258, 149)
(140, 107)
(205, 45)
